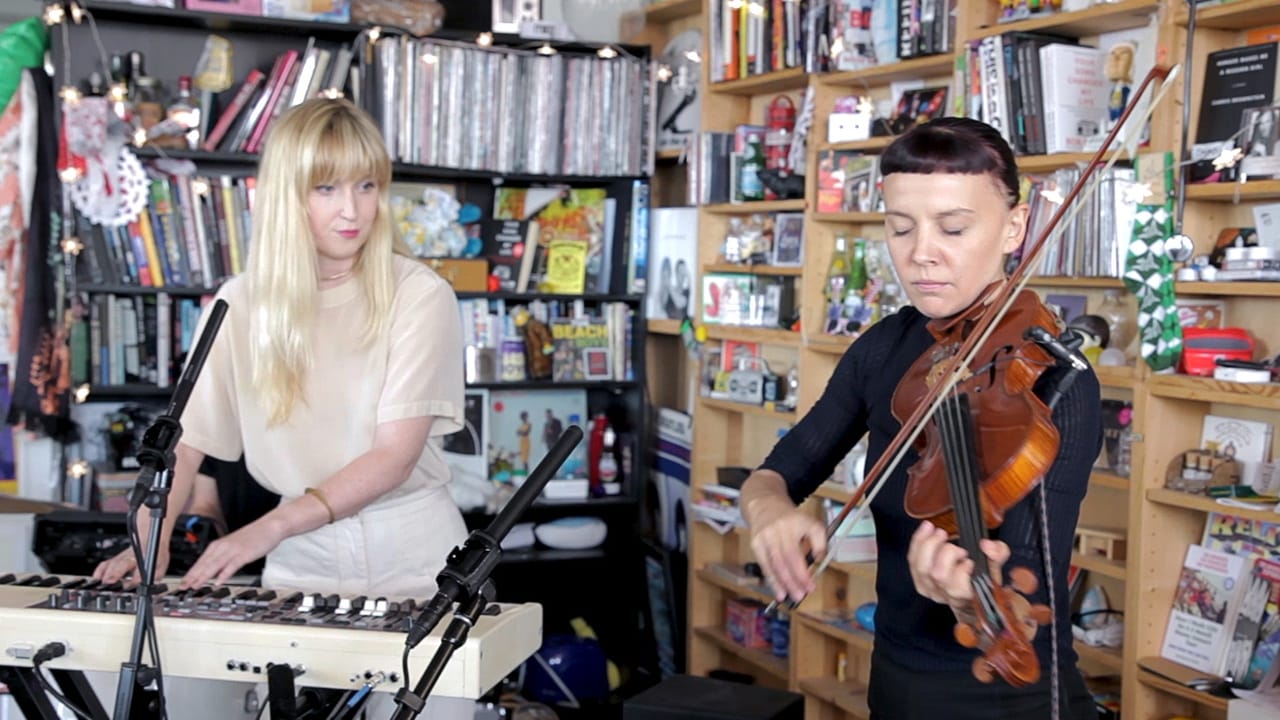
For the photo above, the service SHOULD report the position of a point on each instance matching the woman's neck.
(333, 277)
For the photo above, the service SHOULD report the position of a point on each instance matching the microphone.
(155, 453)
(469, 565)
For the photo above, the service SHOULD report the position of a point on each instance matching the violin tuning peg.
(1041, 614)
(983, 671)
(966, 635)
(1023, 580)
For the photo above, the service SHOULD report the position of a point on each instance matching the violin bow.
(1002, 300)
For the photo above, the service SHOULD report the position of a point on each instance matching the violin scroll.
(1005, 626)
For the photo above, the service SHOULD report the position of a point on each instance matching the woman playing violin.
(952, 215)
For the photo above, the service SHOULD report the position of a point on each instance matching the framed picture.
(788, 240)
(1259, 137)
(595, 363)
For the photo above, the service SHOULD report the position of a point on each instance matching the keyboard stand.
(34, 702)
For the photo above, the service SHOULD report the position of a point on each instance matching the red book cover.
(238, 103)
(288, 69)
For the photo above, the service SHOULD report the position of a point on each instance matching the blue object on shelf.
(866, 616)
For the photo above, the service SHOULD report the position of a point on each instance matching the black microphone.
(469, 566)
(155, 452)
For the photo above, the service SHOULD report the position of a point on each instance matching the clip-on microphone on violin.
(1067, 352)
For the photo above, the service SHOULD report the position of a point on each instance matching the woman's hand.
(124, 567)
(226, 555)
(942, 571)
(781, 535)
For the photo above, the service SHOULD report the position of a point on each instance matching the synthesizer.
(237, 633)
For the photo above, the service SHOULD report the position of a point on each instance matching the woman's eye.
(954, 232)
(899, 233)
(325, 189)
(368, 186)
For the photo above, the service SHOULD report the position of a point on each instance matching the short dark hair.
(954, 145)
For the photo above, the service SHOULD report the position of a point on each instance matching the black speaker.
(688, 697)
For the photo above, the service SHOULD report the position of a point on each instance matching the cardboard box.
(464, 274)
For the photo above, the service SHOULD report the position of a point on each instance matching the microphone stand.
(156, 458)
(465, 579)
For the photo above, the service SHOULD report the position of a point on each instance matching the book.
(1205, 603)
(1243, 536)
(1248, 442)
(238, 103)
(673, 243)
(1075, 95)
(1256, 621)
(1235, 80)
(581, 349)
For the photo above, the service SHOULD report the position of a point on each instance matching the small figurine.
(538, 344)
(1119, 70)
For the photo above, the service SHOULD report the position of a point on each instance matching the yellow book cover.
(153, 252)
(229, 209)
(566, 267)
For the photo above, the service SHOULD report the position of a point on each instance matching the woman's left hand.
(942, 571)
(225, 556)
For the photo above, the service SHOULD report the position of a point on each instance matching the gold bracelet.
(315, 493)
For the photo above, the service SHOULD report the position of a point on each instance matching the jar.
(1116, 310)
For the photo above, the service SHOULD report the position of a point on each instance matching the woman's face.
(947, 236)
(341, 214)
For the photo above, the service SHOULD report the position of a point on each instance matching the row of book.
(194, 232)
(508, 110)
(763, 36)
(1093, 237)
(1049, 94)
(119, 339)
(588, 342)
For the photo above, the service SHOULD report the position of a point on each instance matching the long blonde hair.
(320, 141)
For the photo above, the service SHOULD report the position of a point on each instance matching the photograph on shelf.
(525, 424)
(673, 249)
(788, 240)
(1259, 141)
(679, 73)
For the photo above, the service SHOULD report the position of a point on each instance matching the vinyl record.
(680, 69)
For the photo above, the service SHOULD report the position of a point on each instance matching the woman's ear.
(1015, 228)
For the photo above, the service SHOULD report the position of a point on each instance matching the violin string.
(948, 380)
(966, 504)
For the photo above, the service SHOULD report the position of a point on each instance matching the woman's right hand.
(781, 537)
(124, 568)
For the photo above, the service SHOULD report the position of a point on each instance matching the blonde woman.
(339, 357)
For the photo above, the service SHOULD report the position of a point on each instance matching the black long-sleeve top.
(910, 629)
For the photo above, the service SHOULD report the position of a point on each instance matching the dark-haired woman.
(952, 213)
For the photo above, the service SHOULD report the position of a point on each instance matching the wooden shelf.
(756, 592)
(1110, 658)
(1238, 15)
(762, 659)
(1229, 289)
(1076, 282)
(1081, 23)
(1100, 565)
(868, 145)
(862, 218)
(780, 81)
(745, 333)
(865, 570)
(761, 206)
(830, 344)
(1229, 192)
(834, 491)
(748, 409)
(1166, 685)
(1047, 163)
(849, 697)
(1203, 389)
(857, 638)
(664, 11)
(771, 270)
(663, 327)
(1108, 480)
(881, 75)
(1115, 376)
(1201, 503)
(669, 155)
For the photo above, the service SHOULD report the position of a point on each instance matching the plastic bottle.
(750, 185)
(595, 449)
(608, 469)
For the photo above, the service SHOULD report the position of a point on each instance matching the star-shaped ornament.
(1053, 195)
(1227, 158)
(865, 105)
(1137, 192)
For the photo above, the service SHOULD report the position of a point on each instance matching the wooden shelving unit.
(829, 663)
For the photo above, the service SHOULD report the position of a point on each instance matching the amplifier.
(73, 542)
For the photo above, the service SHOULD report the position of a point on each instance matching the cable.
(49, 652)
(404, 667)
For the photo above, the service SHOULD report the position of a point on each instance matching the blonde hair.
(320, 141)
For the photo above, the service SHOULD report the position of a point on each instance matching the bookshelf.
(829, 665)
(171, 39)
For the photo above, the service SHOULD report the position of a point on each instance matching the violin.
(986, 447)
(983, 437)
